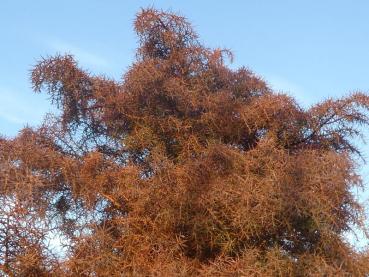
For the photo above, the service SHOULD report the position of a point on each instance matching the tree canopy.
(184, 167)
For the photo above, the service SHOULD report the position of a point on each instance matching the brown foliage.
(183, 168)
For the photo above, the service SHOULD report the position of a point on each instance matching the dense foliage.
(183, 168)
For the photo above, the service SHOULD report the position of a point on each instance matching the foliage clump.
(185, 167)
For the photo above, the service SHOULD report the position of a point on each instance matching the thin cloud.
(83, 56)
(12, 118)
(283, 85)
(15, 110)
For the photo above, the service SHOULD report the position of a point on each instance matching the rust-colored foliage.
(183, 168)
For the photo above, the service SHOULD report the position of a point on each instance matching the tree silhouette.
(182, 168)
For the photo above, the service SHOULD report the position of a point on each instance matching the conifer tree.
(184, 167)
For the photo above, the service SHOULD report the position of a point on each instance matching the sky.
(310, 49)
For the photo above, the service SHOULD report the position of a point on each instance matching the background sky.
(310, 49)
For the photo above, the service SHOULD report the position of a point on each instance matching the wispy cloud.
(16, 109)
(281, 84)
(12, 118)
(83, 56)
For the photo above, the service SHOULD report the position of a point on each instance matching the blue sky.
(310, 49)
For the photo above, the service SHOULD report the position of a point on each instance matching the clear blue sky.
(311, 49)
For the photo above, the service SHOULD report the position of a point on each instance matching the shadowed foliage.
(184, 167)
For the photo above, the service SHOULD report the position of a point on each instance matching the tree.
(183, 168)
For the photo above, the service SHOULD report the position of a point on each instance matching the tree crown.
(182, 168)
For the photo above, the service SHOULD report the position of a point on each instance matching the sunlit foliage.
(184, 167)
